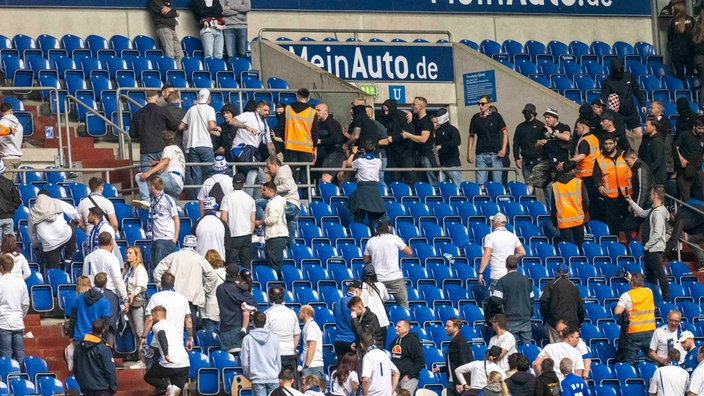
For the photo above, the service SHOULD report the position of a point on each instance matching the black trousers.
(299, 172)
(160, 377)
(275, 252)
(616, 212)
(655, 272)
(341, 348)
(240, 251)
(53, 257)
(573, 234)
(401, 161)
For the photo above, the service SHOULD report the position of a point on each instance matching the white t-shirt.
(383, 250)
(669, 380)
(503, 244)
(13, 295)
(11, 145)
(176, 307)
(211, 235)
(478, 372)
(375, 302)
(102, 260)
(506, 341)
(177, 353)
(367, 169)
(252, 119)
(377, 366)
(198, 132)
(584, 350)
(53, 234)
(239, 207)
(177, 163)
(696, 382)
(663, 340)
(312, 332)
(222, 179)
(103, 203)
(21, 267)
(163, 224)
(559, 351)
(283, 322)
(346, 388)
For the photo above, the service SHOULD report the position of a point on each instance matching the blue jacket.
(260, 357)
(90, 305)
(344, 333)
(93, 365)
(690, 361)
(573, 385)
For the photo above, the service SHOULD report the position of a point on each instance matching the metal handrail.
(54, 91)
(678, 202)
(356, 32)
(121, 131)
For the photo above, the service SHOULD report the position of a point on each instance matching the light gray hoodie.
(236, 16)
(260, 358)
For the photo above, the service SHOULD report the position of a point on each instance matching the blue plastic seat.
(471, 44)
(490, 48)
(192, 46)
(21, 387)
(144, 43)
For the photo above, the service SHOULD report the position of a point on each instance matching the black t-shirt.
(420, 125)
(489, 130)
(556, 150)
(690, 147)
(527, 134)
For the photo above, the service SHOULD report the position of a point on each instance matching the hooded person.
(260, 357)
(362, 128)
(685, 116)
(94, 368)
(447, 142)
(223, 143)
(626, 87)
(399, 150)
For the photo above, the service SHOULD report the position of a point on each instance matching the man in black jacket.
(364, 321)
(626, 87)
(527, 134)
(164, 19)
(561, 301)
(399, 150)
(458, 354)
(652, 149)
(447, 142)
(9, 202)
(147, 124)
(330, 140)
(641, 184)
(93, 366)
(231, 294)
(407, 355)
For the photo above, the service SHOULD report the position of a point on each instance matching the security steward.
(612, 177)
(300, 134)
(570, 200)
(586, 151)
(637, 329)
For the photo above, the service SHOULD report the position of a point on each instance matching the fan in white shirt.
(558, 351)
(669, 379)
(103, 260)
(503, 339)
(376, 367)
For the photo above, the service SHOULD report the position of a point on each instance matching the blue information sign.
(478, 84)
(397, 93)
(369, 62)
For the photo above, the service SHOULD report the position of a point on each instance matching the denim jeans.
(521, 330)
(426, 163)
(255, 176)
(292, 212)
(231, 340)
(264, 389)
(145, 160)
(384, 162)
(211, 325)
(488, 160)
(213, 43)
(198, 174)
(235, 42)
(6, 227)
(171, 187)
(160, 249)
(633, 343)
(452, 174)
(12, 344)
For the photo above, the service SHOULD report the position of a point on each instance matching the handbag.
(138, 301)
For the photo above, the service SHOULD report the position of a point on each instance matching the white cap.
(203, 96)
(190, 241)
(685, 336)
(499, 218)
(220, 164)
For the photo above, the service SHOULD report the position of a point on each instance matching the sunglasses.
(483, 103)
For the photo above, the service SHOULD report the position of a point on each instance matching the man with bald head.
(330, 141)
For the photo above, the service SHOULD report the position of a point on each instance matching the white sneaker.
(173, 390)
(139, 365)
(140, 204)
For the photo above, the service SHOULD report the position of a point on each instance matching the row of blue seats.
(93, 45)
(35, 378)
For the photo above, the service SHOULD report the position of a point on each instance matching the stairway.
(49, 344)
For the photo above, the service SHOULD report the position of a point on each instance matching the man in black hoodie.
(364, 321)
(407, 355)
(399, 150)
(330, 140)
(93, 366)
(230, 295)
(547, 384)
(521, 383)
(625, 86)
(447, 143)
(525, 152)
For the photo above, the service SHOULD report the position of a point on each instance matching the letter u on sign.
(397, 93)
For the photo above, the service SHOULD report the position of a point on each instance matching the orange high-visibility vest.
(585, 167)
(615, 175)
(297, 132)
(642, 315)
(568, 203)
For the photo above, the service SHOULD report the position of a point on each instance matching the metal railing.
(355, 32)
(678, 203)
